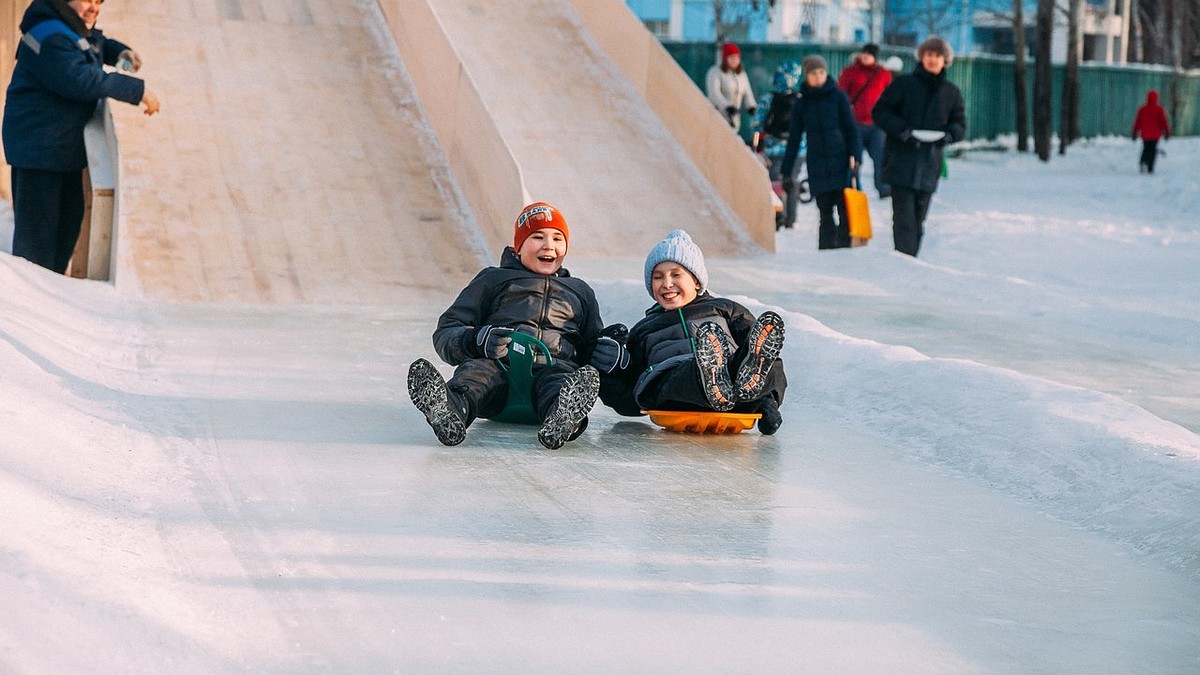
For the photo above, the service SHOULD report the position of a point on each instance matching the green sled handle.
(522, 352)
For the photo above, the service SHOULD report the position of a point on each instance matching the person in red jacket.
(864, 81)
(1151, 125)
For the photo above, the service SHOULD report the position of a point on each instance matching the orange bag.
(857, 213)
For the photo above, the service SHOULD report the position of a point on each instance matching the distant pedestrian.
(834, 148)
(920, 113)
(1151, 125)
(864, 81)
(773, 127)
(56, 83)
(728, 86)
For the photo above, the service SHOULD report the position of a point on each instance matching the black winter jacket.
(663, 339)
(55, 85)
(918, 101)
(825, 115)
(558, 309)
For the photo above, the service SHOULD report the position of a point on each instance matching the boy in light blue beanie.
(695, 351)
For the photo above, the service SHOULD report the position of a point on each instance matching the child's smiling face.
(543, 250)
(673, 285)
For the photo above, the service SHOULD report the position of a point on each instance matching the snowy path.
(245, 488)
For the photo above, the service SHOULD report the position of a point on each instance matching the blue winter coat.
(55, 86)
(825, 117)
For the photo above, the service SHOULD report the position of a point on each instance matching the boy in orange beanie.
(530, 292)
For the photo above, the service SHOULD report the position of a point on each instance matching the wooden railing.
(97, 237)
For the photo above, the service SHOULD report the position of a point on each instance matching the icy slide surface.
(989, 462)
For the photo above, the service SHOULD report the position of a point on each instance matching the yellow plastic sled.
(703, 422)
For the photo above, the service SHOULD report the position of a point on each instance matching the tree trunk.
(1043, 80)
(1068, 126)
(1020, 91)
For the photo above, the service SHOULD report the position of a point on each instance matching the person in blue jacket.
(56, 83)
(834, 148)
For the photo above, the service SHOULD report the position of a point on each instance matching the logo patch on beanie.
(544, 211)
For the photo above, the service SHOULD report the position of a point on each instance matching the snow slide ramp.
(300, 158)
(592, 115)
(291, 162)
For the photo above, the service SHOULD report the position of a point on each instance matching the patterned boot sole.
(766, 341)
(714, 369)
(574, 402)
(428, 392)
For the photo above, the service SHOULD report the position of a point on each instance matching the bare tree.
(1020, 96)
(1043, 75)
(1068, 126)
(1165, 32)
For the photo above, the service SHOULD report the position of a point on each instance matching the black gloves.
(492, 341)
(610, 353)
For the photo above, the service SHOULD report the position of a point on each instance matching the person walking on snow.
(728, 86)
(920, 113)
(864, 81)
(834, 148)
(1151, 124)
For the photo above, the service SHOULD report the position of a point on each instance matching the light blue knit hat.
(677, 247)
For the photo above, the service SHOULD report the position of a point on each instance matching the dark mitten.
(492, 341)
(906, 137)
(610, 355)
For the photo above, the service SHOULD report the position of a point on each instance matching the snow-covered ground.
(990, 463)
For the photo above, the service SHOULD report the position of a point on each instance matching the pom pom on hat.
(537, 216)
(814, 62)
(677, 247)
(729, 49)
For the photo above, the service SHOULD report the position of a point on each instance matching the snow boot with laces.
(712, 359)
(765, 343)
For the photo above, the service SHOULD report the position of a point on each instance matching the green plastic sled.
(521, 356)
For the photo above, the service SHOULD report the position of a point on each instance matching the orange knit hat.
(537, 216)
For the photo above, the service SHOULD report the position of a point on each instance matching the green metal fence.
(1109, 95)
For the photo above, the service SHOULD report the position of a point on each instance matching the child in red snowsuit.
(1151, 125)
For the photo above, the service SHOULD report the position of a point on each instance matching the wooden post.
(78, 267)
(93, 253)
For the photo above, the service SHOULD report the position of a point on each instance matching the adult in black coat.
(913, 111)
(823, 113)
(56, 83)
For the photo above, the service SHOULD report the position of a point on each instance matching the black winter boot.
(567, 417)
(447, 412)
(766, 341)
(712, 348)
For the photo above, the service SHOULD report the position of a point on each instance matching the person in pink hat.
(728, 87)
